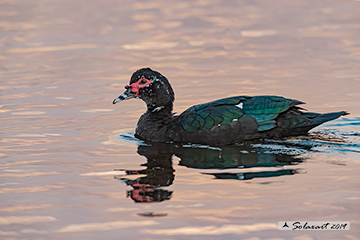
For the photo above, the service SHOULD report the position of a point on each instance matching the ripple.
(64, 98)
(130, 138)
(28, 113)
(258, 33)
(38, 135)
(25, 219)
(97, 110)
(212, 230)
(52, 48)
(106, 226)
(109, 173)
(150, 45)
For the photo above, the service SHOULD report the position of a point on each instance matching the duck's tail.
(318, 119)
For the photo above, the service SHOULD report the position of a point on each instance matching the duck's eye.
(143, 81)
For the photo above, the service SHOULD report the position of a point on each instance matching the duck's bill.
(125, 96)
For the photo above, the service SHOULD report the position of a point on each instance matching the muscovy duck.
(221, 122)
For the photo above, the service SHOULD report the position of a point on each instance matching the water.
(70, 167)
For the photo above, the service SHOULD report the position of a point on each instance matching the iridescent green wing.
(264, 109)
(207, 115)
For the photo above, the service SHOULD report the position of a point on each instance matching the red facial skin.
(142, 82)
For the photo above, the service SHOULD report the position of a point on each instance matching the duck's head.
(150, 86)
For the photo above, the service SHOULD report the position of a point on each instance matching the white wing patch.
(240, 105)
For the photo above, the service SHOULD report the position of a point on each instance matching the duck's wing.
(263, 109)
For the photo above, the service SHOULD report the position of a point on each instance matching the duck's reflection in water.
(159, 171)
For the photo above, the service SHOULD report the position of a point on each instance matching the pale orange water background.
(63, 62)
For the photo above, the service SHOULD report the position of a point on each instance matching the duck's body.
(222, 122)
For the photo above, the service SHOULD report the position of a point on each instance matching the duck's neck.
(155, 123)
(161, 110)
